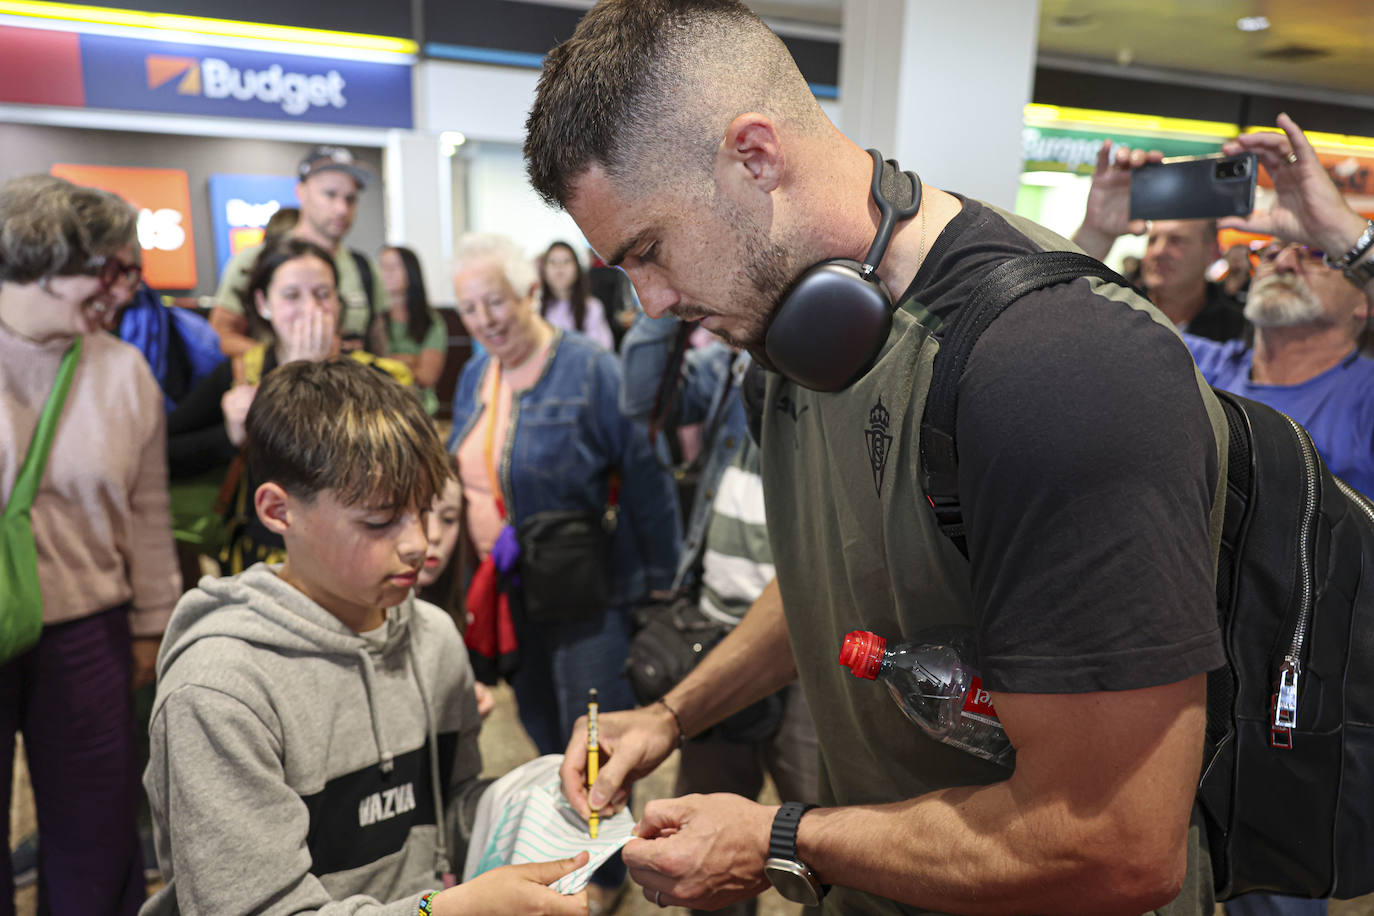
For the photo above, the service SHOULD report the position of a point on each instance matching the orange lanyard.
(492, 397)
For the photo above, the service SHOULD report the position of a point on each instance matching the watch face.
(793, 880)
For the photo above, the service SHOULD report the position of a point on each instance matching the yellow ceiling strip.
(1328, 143)
(1116, 120)
(94, 15)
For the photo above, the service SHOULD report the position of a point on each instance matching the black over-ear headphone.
(834, 318)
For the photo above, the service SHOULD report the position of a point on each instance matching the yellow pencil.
(593, 755)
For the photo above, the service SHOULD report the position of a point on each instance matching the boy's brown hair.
(342, 426)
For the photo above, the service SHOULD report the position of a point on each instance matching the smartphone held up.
(1194, 187)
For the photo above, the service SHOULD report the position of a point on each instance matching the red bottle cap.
(863, 653)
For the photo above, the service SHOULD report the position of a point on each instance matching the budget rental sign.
(227, 82)
(162, 198)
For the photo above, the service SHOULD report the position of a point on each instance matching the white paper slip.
(523, 817)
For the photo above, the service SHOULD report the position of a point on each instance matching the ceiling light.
(450, 140)
(1252, 23)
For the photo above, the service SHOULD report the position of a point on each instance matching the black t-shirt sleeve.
(1087, 466)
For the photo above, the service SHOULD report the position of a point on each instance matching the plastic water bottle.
(936, 686)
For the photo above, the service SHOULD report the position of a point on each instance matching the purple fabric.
(70, 697)
(505, 553)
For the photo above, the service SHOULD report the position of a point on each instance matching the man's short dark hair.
(646, 81)
(342, 426)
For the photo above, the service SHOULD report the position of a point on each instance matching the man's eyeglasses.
(111, 271)
(1270, 253)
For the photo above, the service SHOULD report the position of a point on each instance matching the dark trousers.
(69, 695)
(559, 662)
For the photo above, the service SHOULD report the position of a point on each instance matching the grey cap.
(333, 159)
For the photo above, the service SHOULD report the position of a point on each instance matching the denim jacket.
(644, 353)
(565, 436)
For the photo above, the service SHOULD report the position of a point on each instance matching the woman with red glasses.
(106, 574)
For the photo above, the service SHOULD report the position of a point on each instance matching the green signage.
(1053, 149)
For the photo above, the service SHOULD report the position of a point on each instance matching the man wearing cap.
(330, 182)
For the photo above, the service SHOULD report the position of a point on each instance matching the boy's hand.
(520, 889)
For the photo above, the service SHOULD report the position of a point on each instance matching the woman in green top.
(415, 335)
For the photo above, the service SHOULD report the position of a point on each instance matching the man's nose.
(1287, 260)
(655, 297)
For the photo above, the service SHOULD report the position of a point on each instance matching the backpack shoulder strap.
(365, 275)
(1002, 286)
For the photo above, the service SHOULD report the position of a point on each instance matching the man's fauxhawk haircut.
(646, 88)
(342, 426)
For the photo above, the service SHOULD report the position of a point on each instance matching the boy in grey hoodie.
(314, 736)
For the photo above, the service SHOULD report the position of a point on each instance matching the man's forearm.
(749, 664)
(1094, 241)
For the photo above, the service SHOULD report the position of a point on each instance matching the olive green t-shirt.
(352, 296)
(1089, 486)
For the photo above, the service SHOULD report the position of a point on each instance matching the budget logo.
(162, 69)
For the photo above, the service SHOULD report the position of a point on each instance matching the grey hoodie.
(295, 765)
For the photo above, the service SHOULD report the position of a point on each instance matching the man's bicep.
(1122, 765)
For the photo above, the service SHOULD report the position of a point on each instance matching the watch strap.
(782, 841)
(1362, 244)
(1360, 274)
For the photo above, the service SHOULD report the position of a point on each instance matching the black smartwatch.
(787, 873)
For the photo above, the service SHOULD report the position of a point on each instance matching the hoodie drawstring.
(442, 866)
(369, 684)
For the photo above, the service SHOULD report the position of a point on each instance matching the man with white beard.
(1306, 357)
(1309, 320)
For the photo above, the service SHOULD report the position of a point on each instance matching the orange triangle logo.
(163, 69)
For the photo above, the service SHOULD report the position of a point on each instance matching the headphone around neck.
(834, 318)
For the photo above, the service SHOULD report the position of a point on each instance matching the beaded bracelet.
(681, 735)
(427, 903)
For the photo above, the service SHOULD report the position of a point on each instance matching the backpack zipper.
(1286, 701)
(1356, 497)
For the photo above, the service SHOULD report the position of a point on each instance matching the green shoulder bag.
(21, 598)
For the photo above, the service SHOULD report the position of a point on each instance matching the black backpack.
(1287, 786)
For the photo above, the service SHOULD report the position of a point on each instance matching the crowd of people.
(312, 705)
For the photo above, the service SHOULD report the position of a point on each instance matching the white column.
(419, 209)
(941, 87)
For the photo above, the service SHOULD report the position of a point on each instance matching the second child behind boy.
(312, 718)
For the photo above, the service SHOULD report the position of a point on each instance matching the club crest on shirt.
(879, 442)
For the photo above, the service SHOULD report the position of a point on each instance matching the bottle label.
(978, 701)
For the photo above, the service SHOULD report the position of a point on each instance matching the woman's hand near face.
(234, 404)
(310, 337)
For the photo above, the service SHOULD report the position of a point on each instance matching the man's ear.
(273, 505)
(751, 150)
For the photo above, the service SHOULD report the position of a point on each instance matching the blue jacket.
(644, 353)
(566, 434)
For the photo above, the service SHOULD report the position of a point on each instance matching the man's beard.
(1279, 301)
(768, 272)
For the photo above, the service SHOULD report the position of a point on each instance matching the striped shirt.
(738, 562)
